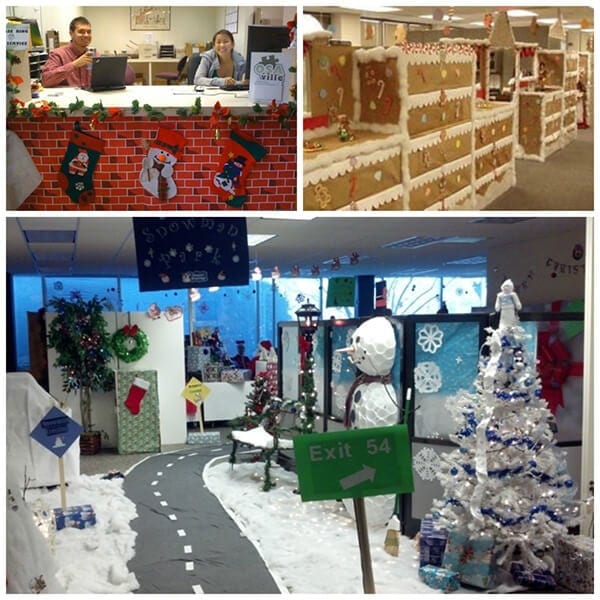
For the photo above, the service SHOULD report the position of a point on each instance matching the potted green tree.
(79, 336)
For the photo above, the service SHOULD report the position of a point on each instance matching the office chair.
(171, 77)
(193, 65)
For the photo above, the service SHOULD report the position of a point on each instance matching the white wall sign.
(17, 37)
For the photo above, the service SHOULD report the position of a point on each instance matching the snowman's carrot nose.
(347, 349)
(161, 157)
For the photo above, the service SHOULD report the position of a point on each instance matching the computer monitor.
(265, 38)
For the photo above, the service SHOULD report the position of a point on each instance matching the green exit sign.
(354, 463)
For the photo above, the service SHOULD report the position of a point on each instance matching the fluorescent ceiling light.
(518, 12)
(255, 239)
(360, 6)
(546, 21)
(572, 26)
(444, 18)
(588, 30)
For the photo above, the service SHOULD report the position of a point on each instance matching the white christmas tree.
(507, 479)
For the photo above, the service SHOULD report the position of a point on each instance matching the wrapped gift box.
(79, 517)
(236, 375)
(439, 579)
(536, 579)
(471, 558)
(196, 358)
(574, 556)
(203, 437)
(212, 372)
(432, 542)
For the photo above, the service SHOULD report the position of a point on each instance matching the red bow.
(555, 364)
(131, 330)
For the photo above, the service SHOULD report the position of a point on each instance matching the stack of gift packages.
(79, 517)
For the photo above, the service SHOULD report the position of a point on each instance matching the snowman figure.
(372, 400)
(156, 175)
(508, 303)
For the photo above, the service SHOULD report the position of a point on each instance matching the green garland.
(120, 347)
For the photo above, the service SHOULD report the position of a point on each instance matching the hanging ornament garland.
(129, 343)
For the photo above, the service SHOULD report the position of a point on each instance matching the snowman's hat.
(169, 140)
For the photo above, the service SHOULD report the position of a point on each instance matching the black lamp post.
(308, 321)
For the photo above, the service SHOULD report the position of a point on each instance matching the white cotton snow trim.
(507, 141)
(352, 157)
(458, 200)
(319, 132)
(446, 169)
(317, 35)
(432, 139)
(377, 200)
(430, 98)
(487, 117)
(489, 177)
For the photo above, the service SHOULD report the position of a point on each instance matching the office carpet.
(186, 542)
(565, 181)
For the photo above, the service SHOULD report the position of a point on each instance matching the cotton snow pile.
(94, 559)
(309, 547)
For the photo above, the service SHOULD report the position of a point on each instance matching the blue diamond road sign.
(56, 431)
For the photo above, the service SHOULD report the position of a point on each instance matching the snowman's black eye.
(357, 339)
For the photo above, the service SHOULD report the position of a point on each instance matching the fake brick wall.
(270, 185)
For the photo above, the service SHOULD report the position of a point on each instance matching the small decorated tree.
(79, 336)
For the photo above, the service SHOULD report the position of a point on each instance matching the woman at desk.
(221, 65)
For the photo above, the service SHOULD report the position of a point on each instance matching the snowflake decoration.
(428, 378)
(427, 464)
(80, 186)
(336, 362)
(189, 247)
(430, 338)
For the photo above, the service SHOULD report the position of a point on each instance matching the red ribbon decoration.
(303, 347)
(555, 364)
(132, 330)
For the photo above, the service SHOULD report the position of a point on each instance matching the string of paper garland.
(129, 343)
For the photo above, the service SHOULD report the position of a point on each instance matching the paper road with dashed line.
(225, 575)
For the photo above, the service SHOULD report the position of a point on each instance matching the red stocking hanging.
(240, 153)
(136, 394)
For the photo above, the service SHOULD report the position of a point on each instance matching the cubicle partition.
(437, 358)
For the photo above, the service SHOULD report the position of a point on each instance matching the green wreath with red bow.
(129, 343)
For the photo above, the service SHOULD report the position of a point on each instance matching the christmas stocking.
(157, 171)
(136, 393)
(78, 165)
(239, 155)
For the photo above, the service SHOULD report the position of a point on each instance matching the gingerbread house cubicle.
(548, 112)
(401, 128)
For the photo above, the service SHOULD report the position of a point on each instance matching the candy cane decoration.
(340, 93)
(381, 86)
(353, 184)
(387, 105)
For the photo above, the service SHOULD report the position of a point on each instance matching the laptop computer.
(108, 73)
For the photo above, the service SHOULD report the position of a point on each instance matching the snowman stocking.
(157, 171)
(136, 394)
(239, 155)
(77, 169)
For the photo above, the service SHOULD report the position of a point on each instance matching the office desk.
(167, 99)
(270, 184)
